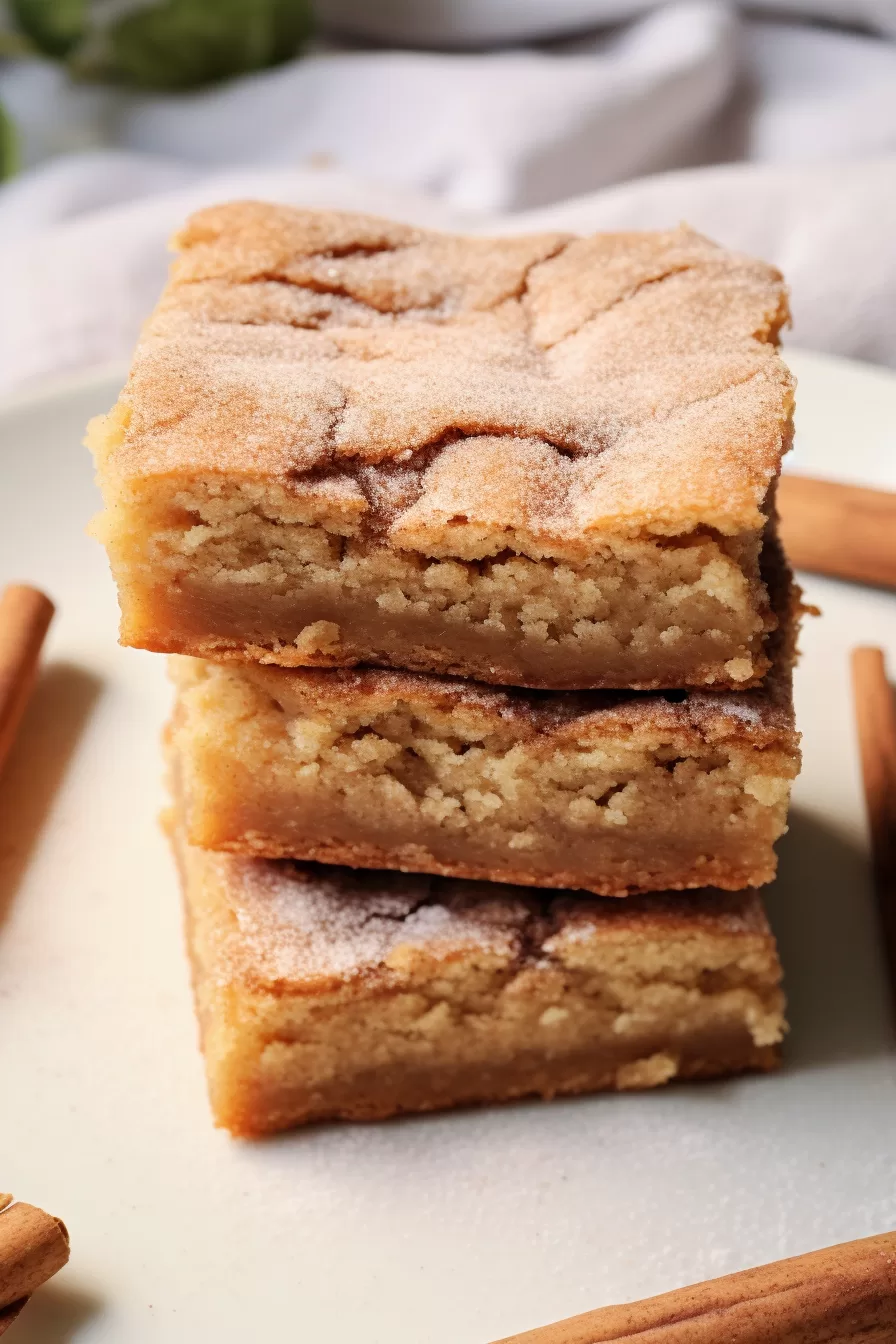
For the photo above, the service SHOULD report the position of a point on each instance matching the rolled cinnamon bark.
(33, 1246)
(834, 1296)
(844, 531)
(25, 614)
(875, 707)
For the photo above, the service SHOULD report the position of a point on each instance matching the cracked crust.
(542, 461)
(619, 382)
(326, 992)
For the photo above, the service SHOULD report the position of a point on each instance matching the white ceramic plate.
(452, 1229)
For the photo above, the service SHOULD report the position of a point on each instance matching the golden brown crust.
(457, 393)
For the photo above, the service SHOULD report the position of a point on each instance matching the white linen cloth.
(465, 22)
(523, 138)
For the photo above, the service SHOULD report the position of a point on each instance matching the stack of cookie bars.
(483, 732)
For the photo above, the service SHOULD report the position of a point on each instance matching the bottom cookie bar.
(330, 992)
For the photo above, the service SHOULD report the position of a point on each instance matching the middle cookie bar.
(610, 792)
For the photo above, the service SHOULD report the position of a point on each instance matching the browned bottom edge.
(377, 1096)
(416, 859)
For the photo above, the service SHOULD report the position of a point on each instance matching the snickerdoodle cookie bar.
(323, 992)
(540, 461)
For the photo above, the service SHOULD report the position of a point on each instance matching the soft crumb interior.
(634, 597)
(621, 995)
(460, 782)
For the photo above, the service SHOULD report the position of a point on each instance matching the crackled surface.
(613, 793)
(339, 432)
(323, 992)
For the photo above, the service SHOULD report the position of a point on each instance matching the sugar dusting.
(640, 367)
(306, 925)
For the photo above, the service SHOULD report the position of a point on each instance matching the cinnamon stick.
(876, 721)
(33, 1246)
(844, 531)
(25, 614)
(833, 1296)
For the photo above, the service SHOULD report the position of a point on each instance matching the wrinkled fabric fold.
(772, 135)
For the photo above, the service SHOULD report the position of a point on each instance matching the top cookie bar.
(542, 461)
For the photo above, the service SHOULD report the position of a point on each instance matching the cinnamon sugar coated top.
(305, 926)
(453, 392)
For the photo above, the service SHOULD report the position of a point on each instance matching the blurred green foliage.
(54, 26)
(9, 146)
(181, 44)
(167, 45)
(164, 44)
